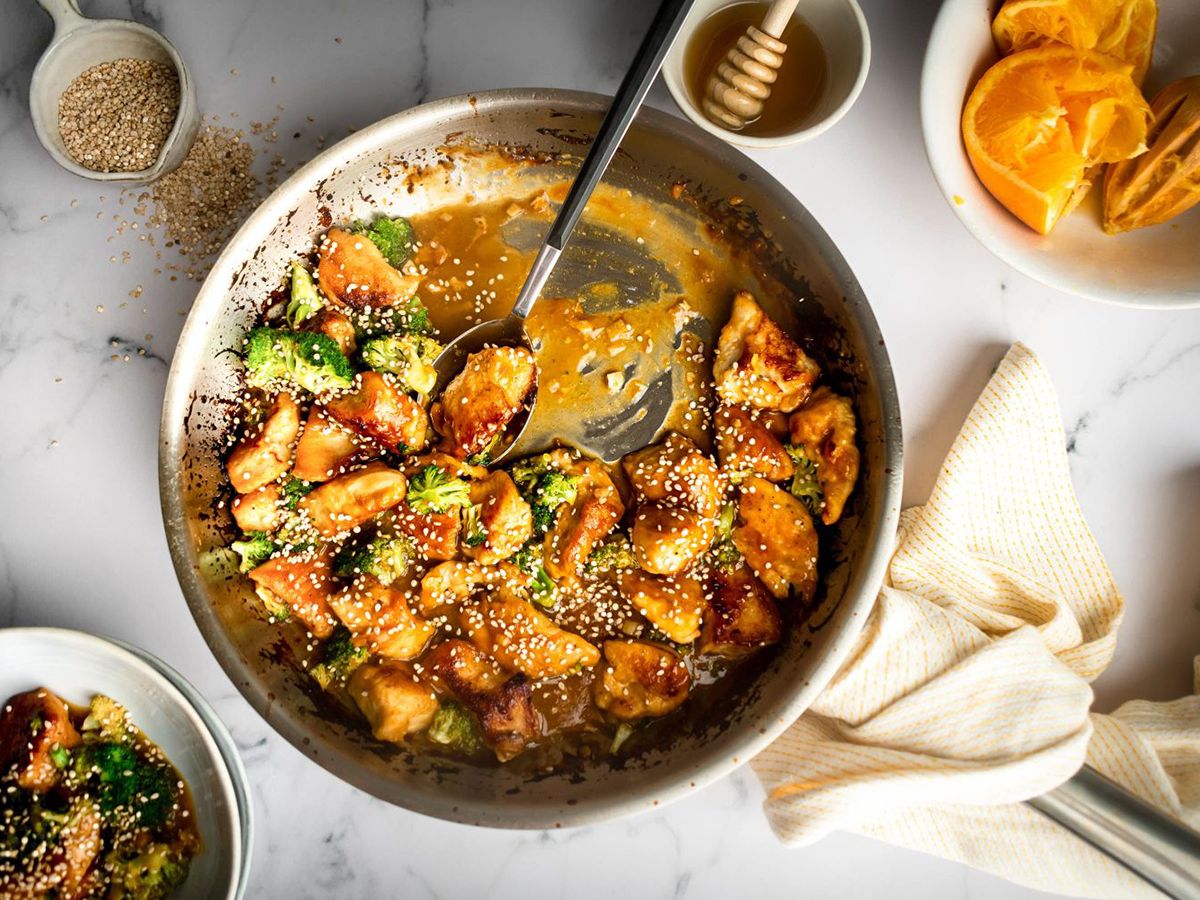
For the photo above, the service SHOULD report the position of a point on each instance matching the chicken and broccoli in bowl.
(89, 806)
(550, 608)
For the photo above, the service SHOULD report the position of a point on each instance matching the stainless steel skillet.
(506, 143)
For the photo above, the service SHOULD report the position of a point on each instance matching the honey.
(802, 76)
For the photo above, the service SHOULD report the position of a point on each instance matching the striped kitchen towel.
(967, 691)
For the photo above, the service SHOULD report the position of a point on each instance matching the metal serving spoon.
(643, 420)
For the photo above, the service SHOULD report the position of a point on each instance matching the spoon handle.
(629, 97)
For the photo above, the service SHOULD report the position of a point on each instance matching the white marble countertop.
(81, 542)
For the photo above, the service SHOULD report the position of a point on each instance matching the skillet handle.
(1154, 846)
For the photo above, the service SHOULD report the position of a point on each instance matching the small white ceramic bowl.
(77, 666)
(1157, 266)
(80, 43)
(842, 30)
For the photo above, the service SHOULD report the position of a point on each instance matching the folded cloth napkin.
(967, 691)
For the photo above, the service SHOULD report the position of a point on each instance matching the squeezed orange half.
(1040, 120)
(1120, 28)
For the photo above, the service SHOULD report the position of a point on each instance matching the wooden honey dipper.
(742, 81)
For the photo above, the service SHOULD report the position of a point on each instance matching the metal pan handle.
(1154, 846)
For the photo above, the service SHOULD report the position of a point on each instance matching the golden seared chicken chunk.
(335, 325)
(259, 510)
(305, 585)
(483, 398)
(435, 535)
(639, 679)
(453, 583)
(585, 522)
(499, 521)
(775, 533)
(675, 473)
(339, 505)
(32, 725)
(379, 617)
(395, 701)
(825, 429)
(746, 445)
(667, 540)
(523, 639)
(742, 615)
(266, 452)
(757, 363)
(327, 448)
(379, 410)
(672, 605)
(353, 272)
(503, 703)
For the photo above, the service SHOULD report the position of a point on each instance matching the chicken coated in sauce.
(825, 428)
(378, 410)
(639, 679)
(395, 702)
(757, 363)
(775, 533)
(265, 453)
(352, 272)
(483, 398)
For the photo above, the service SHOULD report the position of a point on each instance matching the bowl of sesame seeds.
(691, 210)
(111, 100)
(167, 711)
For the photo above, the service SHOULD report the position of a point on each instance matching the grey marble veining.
(80, 391)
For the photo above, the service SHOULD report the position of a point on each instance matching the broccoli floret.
(624, 730)
(305, 300)
(614, 553)
(725, 554)
(455, 727)
(485, 456)
(557, 488)
(150, 875)
(255, 550)
(544, 590)
(544, 488)
(385, 558)
(433, 491)
(107, 719)
(312, 361)
(474, 533)
(294, 489)
(407, 356)
(339, 658)
(804, 482)
(528, 473)
(393, 237)
(125, 783)
(60, 756)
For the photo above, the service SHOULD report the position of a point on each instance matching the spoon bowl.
(80, 43)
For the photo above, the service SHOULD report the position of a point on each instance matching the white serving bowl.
(1157, 266)
(842, 30)
(77, 666)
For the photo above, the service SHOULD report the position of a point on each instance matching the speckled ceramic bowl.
(420, 159)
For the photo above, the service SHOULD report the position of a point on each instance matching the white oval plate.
(1151, 267)
(77, 666)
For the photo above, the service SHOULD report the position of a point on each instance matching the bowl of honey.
(823, 70)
